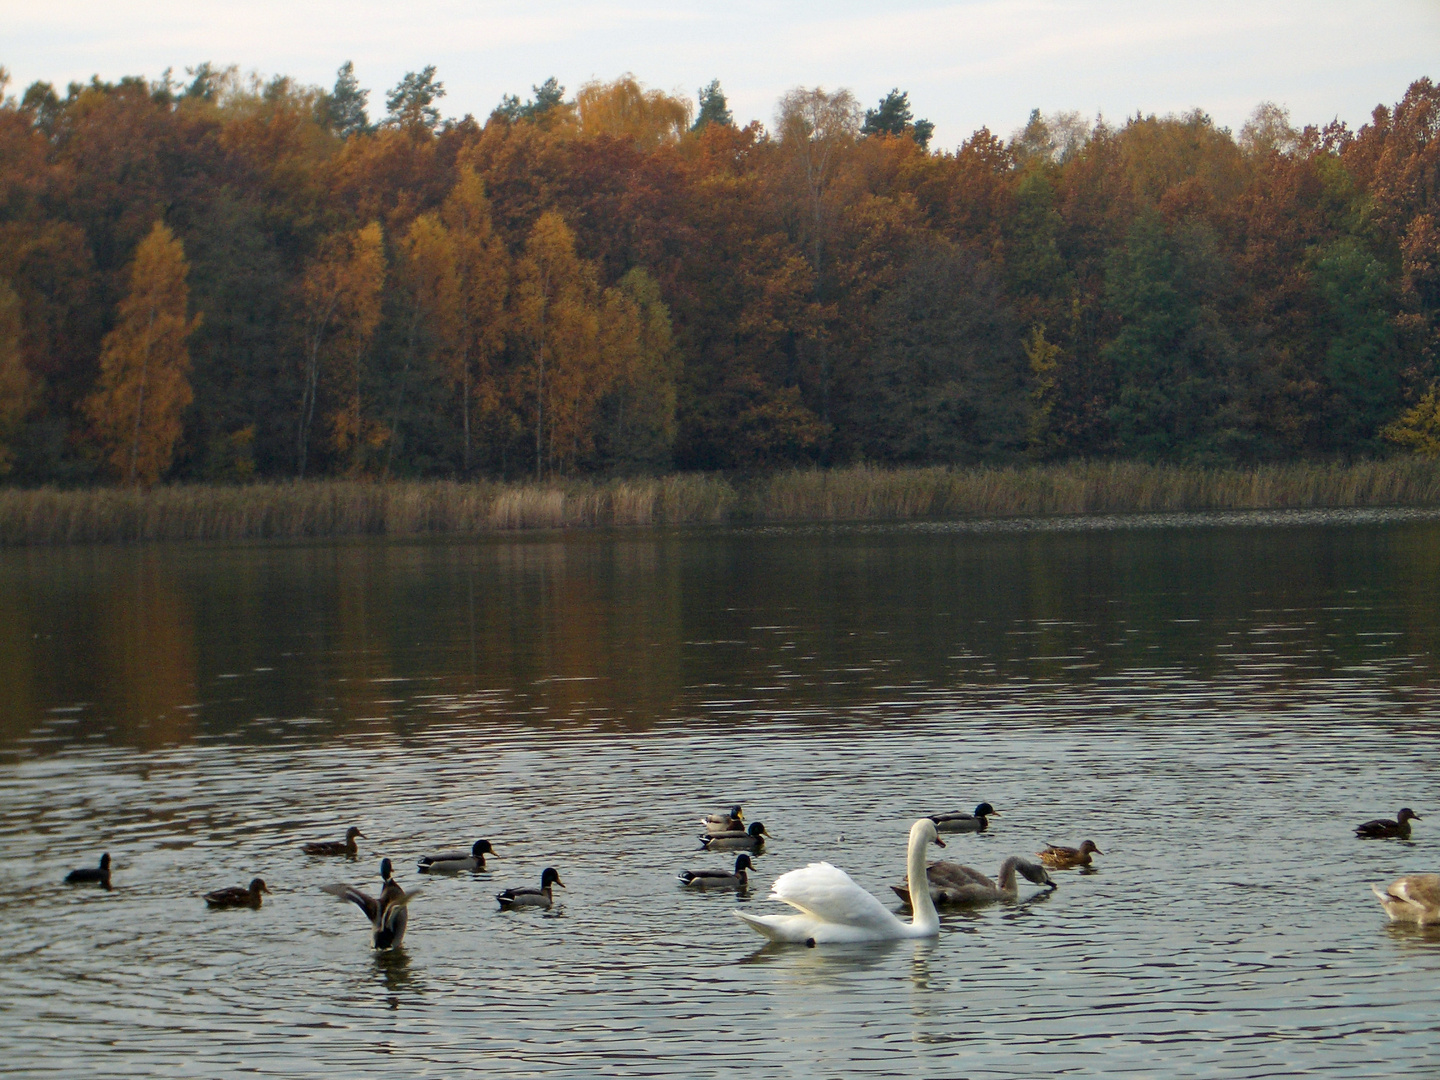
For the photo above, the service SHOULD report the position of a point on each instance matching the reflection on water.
(1216, 708)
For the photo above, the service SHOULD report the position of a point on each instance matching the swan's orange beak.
(938, 841)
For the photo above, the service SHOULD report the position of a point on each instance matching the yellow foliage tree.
(1418, 428)
(557, 312)
(639, 351)
(482, 272)
(17, 386)
(341, 295)
(430, 284)
(626, 110)
(144, 363)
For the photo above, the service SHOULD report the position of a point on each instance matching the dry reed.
(411, 508)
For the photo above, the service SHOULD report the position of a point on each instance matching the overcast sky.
(965, 63)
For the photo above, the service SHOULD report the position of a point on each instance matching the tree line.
(221, 278)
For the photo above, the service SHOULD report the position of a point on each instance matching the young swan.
(833, 909)
(951, 883)
(1412, 898)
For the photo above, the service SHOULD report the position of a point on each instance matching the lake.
(1215, 702)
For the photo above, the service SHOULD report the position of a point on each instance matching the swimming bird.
(733, 821)
(751, 840)
(1067, 858)
(832, 908)
(388, 913)
(961, 822)
(1412, 898)
(335, 847)
(1384, 829)
(454, 862)
(527, 897)
(951, 883)
(719, 879)
(91, 875)
(237, 896)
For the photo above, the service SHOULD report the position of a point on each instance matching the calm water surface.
(1216, 707)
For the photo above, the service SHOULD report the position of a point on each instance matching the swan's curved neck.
(926, 920)
(1006, 883)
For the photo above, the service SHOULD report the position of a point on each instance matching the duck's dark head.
(1406, 814)
(105, 861)
(351, 833)
(386, 869)
(742, 863)
(257, 886)
(481, 849)
(986, 810)
(735, 812)
(549, 877)
(1089, 845)
(757, 830)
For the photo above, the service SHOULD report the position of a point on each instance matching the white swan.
(833, 909)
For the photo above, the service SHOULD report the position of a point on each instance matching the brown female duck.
(335, 847)
(237, 896)
(1067, 858)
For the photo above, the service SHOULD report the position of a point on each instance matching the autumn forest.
(217, 278)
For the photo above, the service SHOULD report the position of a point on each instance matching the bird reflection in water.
(393, 967)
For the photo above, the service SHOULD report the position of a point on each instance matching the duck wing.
(446, 856)
(829, 894)
(364, 901)
(234, 895)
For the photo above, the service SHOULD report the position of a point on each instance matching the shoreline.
(399, 508)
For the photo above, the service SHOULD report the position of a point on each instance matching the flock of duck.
(829, 906)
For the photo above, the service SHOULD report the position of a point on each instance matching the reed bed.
(336, 508)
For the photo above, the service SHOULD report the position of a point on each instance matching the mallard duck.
(962, 822)
(388, 913)
(91, 875)
(715, 824)
(1384, 829)
(832, 908)
(237, 897)
(1067, 858)
(719, 879)
(1412, 898)
(953, 884)
(455, 862)
(335, 847)
(541, 897)
(751, 840)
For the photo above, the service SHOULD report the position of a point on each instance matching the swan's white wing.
(830, 895)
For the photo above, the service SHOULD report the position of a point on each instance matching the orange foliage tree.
(144, 363)
(341, 299)
(556, 311)
(482, 283)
